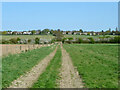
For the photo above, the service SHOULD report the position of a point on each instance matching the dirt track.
(69, 76)
(30, 77)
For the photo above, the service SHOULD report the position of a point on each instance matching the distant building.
(85, 33)
(27, 32)
(9, 32)
(75, 33)
(70, 32)
(20, 33)
(64, 32)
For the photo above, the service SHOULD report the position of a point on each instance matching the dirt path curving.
(69, 76)
(27, 80)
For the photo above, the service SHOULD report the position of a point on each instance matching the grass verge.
(49, 77)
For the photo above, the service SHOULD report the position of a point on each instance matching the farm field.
(67, 66)
(87, 36)
(96, 64)
(26, 36)
(13, 66)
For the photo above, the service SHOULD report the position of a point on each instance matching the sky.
(89, 16)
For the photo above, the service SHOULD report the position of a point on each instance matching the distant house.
(70, 32)
(90, 34)
(27, 32)
(19, 33)
(94, 33)
(9, 32)
(37, 32)
(64, 32)
(97, 33)
(48, 32)
(85, 33)
(78, 33)
(113, 33)
(75, 33)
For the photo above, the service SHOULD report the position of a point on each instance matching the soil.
(69, 75)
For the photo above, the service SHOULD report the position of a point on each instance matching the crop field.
(13, 66)
(63, 66)
(97, 64)
(26, 36)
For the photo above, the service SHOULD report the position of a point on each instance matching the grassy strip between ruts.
(13, 66)
(97, 64)
(48, 79)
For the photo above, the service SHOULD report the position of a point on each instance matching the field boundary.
(8, 49)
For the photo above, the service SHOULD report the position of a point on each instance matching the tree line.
(53, 32)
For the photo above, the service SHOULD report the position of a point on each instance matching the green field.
(86, 36)
(96, 64)
(27, 36)
(48, 79)
(13, 66)
(48, 36)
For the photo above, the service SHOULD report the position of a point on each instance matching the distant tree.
(88, 33)
(37, 40)
(29, 40)
(18, 39)
(51, 31)
(39, 31)
(108, 32)
(73, 32)
(45, 31)
(81, 30)
(63, 40)
(33, 32)
(91, 40)
(13, 40)
(80, 40)
(4, 32)
(67, 32)
(14, 33)
(70, 39)
(58, 35)
(103, 33)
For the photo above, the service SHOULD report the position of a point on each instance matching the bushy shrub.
(29, 40)
(80, 40)
(63, 40)
(70, 39)
(37, 40)
(5, 41)
(115, 39)
(91, 40)
(53, 40)
(69, 42)
(13, 41)
(18, 39)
